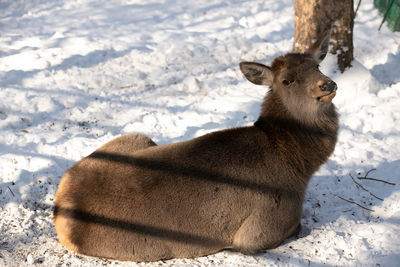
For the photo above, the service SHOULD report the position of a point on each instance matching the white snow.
(75, 74)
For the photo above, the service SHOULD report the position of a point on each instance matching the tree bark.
(313, 17)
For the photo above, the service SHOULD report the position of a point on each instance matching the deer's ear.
(257, 73)
(320, 48)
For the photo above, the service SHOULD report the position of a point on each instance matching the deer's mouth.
(327, 97)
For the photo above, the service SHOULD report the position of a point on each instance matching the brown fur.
(241, 188)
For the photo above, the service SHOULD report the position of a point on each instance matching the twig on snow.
(363, 188)
(126, 86)
(358, 6)
(11, 191)
(355, 203)
(371, 170)
(373, 179)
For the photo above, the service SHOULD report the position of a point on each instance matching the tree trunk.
(313, 17)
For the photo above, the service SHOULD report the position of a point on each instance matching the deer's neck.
(304, 146)
(324, 121)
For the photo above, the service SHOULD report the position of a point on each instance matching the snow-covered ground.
(75, 74)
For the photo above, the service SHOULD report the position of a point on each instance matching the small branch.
(352, 202)
(371, 170)
(373, 179)
(11, 191)
(126, 86)
(363, 188)
(358, 6)
(386, 14)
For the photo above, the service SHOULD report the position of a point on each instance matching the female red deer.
(241, 188)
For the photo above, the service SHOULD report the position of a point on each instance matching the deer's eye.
(287, 82)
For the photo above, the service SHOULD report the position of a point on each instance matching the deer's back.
(196, 192)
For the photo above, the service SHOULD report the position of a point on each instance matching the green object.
(391, 13)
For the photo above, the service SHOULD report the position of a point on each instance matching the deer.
(240, 189)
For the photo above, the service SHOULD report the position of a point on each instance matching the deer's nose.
(328, 86)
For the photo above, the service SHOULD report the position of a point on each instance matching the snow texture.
(75, 74)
